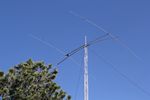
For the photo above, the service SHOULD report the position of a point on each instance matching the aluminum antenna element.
(97, 40)
(86, 87)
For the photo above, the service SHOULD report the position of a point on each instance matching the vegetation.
(31, 81)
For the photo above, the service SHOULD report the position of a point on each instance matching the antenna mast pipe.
(86, 88)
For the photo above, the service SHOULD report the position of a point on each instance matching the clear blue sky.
(50, 20)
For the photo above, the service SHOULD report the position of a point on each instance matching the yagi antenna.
(85, 46)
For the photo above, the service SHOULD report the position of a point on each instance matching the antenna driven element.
(97, 40)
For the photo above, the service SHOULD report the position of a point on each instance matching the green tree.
(31, 81)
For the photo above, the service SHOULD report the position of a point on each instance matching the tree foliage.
(31, 81)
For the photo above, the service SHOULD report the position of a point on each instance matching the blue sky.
(51, 21)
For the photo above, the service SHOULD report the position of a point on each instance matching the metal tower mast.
(86, 91)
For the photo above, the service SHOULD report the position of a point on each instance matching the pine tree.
(31, 81)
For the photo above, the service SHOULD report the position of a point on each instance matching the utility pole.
(86, 91)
